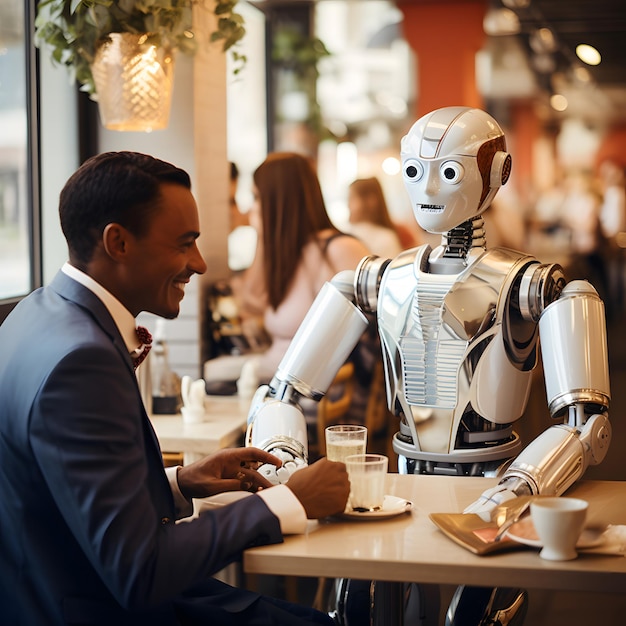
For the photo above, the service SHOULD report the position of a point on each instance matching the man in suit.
(88, 531)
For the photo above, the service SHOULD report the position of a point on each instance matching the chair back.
(335, 404)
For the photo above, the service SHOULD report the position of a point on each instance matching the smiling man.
(88, 531)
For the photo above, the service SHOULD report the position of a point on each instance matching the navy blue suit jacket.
(87, 519)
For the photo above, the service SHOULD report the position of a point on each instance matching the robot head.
(454, 160)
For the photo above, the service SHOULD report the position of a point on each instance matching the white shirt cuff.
(184, 507)
(282, 502)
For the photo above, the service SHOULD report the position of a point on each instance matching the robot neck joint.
(461, 239)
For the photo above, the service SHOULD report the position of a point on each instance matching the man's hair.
(113, 187)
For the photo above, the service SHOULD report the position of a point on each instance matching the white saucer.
(524, 532)
(391, 506)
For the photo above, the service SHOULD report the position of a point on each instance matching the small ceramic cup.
(558, 523)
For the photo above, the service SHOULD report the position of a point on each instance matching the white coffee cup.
(367, 473)
(558, 523)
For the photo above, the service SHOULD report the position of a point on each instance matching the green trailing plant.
(73, 29)
(298, 53)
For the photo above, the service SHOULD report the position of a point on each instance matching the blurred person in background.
(370, 220)
(613, 225)
(580, 213)
(299, 249)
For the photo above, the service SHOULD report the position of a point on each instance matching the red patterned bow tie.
(138, 355)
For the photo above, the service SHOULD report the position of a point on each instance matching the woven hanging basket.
(133, 83)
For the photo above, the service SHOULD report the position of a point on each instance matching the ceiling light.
(542, 40)
(544, 63)
(499, 22)
(582, 74)
(588, 54)
(391, 166)
(516, 4)
(558, 102)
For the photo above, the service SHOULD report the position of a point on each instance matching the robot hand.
(278, 427)
(487, 503)
(280, 475)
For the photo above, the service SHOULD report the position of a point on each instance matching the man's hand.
(230, 469)
(322, 488)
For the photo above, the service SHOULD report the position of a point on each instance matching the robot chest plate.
(445, 317)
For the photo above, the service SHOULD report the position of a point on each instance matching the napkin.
(611, 541)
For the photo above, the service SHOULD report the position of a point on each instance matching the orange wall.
(445, 36)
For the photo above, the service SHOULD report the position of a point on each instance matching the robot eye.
(452, 172)
(413, 170)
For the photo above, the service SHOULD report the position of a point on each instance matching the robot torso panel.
(451, 343)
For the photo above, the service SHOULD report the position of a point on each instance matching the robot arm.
(575, 358)
(324, 340)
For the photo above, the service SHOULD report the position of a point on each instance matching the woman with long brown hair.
(299, 248)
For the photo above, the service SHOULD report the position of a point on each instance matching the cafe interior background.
(346, 104)
(341, 81)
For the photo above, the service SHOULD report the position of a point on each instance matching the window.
(20, 265)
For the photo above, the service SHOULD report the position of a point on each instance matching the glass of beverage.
(343, 440)
(367, 474)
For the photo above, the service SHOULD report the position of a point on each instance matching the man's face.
(161, 262)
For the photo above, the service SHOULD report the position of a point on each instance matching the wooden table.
(410, 548)
(224, 428)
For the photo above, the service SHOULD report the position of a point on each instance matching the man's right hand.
(322, 488)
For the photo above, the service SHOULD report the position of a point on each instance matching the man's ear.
(115, 241)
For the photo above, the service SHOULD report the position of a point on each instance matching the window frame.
(33, 182)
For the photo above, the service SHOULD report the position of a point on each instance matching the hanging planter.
(102, 42)
(133, 80)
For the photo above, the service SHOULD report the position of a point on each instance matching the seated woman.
(298, 250)
(370, 220)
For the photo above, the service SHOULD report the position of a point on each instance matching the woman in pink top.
(298, 250)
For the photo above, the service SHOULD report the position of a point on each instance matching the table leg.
(386, 603)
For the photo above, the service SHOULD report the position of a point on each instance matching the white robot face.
(453, 161)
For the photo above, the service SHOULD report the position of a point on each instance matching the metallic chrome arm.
(323, 342)
(575, 357)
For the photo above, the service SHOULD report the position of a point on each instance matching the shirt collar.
(122, 317)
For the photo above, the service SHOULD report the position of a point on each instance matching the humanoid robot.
(460, 327)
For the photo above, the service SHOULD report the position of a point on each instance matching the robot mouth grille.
(432, 208)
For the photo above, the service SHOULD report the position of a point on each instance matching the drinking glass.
(367, 474)
(343, 440)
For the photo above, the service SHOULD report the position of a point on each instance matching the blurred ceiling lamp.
(542, 40)
(558, 102)
(516, 4)
(133, 82)
(391, 166)
(588, 54)
(581, 74)
(544, 63)
(500, 22)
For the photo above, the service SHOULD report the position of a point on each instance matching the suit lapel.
(72, 290)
